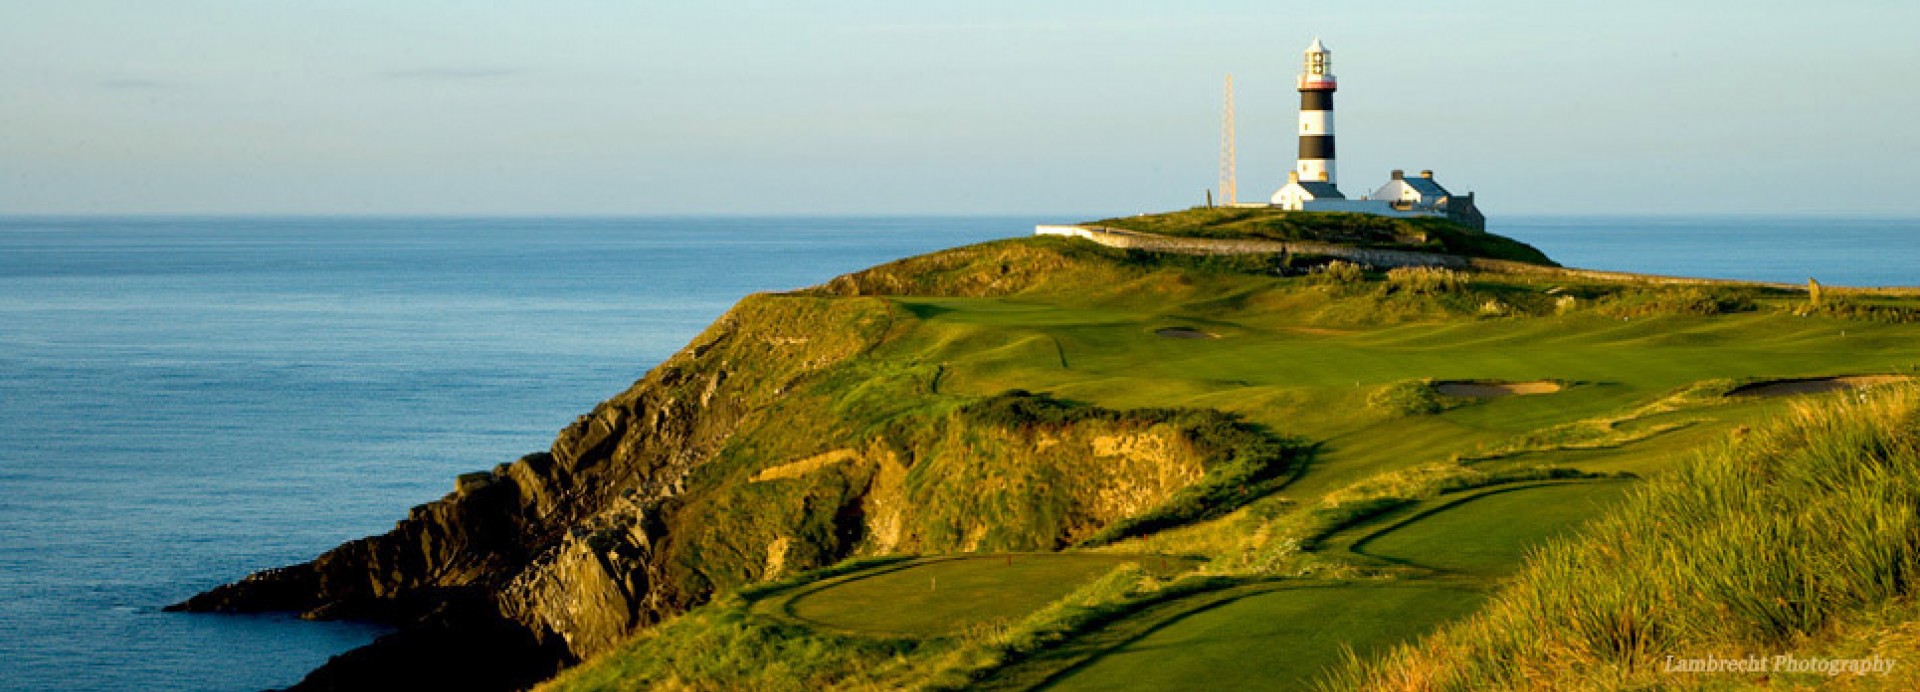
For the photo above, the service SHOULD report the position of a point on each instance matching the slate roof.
(1321, 189)
(1427, 187)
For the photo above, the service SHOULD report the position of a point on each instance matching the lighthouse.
(1316, 115)
(1311, 182)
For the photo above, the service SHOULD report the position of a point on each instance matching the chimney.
(1428, 174)
(1399, 174)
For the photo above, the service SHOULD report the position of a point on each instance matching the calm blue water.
(1839, 252)
(184, 401)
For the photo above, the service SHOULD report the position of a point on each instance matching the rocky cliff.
(481, 553)
(789, 435)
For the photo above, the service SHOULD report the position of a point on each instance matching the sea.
(186, 400)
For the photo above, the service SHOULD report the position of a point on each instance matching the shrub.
(1425, 281)
(1850, 308)
(1410, 398)
(1690, 300)
(1341, 272)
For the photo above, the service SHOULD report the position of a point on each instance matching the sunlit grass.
(1754, 548)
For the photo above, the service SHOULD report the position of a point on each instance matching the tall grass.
(1857, 308)
(1746, 551)
(1425, 281)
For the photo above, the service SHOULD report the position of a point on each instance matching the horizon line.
(451, 216)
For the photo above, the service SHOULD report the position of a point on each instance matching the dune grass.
(1758, 548)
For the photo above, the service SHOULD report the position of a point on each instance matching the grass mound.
(1411, 398)
(1757, 549)
(1363, 230)
(1488, 533)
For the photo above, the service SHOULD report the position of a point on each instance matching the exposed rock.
(554, 553)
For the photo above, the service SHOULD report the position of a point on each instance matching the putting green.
(1280, 639)
(949, 595)
(1489, 534)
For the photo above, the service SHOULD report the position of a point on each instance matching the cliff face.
(518, 547)
(783, 438)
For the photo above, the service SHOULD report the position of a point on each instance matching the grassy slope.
(1300, 356)
(1799, 538)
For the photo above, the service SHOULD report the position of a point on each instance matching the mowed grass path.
(1488, 534)
(943, 596)
(1278, 640)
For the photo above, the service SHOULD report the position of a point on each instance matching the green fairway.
(949, 595)
(1280, 639)
(1315, 381)
(1489, 533)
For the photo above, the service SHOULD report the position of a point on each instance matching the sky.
(592, 107)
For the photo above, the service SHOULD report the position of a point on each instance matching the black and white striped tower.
(1316, 115)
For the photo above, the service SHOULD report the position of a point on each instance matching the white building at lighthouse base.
(1401, 197)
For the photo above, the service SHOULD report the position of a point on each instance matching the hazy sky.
(598, 107)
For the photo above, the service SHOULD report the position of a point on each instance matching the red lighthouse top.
(1316, 68)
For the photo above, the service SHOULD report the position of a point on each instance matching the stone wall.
(1376, 257)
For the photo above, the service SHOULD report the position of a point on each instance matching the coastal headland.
(1154, 446)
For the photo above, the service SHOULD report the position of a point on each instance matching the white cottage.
(1297, 193)
(1425, 195)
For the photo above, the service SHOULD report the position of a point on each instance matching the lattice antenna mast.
(1229, 185)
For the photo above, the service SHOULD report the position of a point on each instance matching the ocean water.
(184, 401)
(1837, 251)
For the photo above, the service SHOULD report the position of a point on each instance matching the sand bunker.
(1488, 390)
(796, 469)
(1184, 333)
(1817, 385)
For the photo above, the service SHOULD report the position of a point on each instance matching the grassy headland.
(1351, 457)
